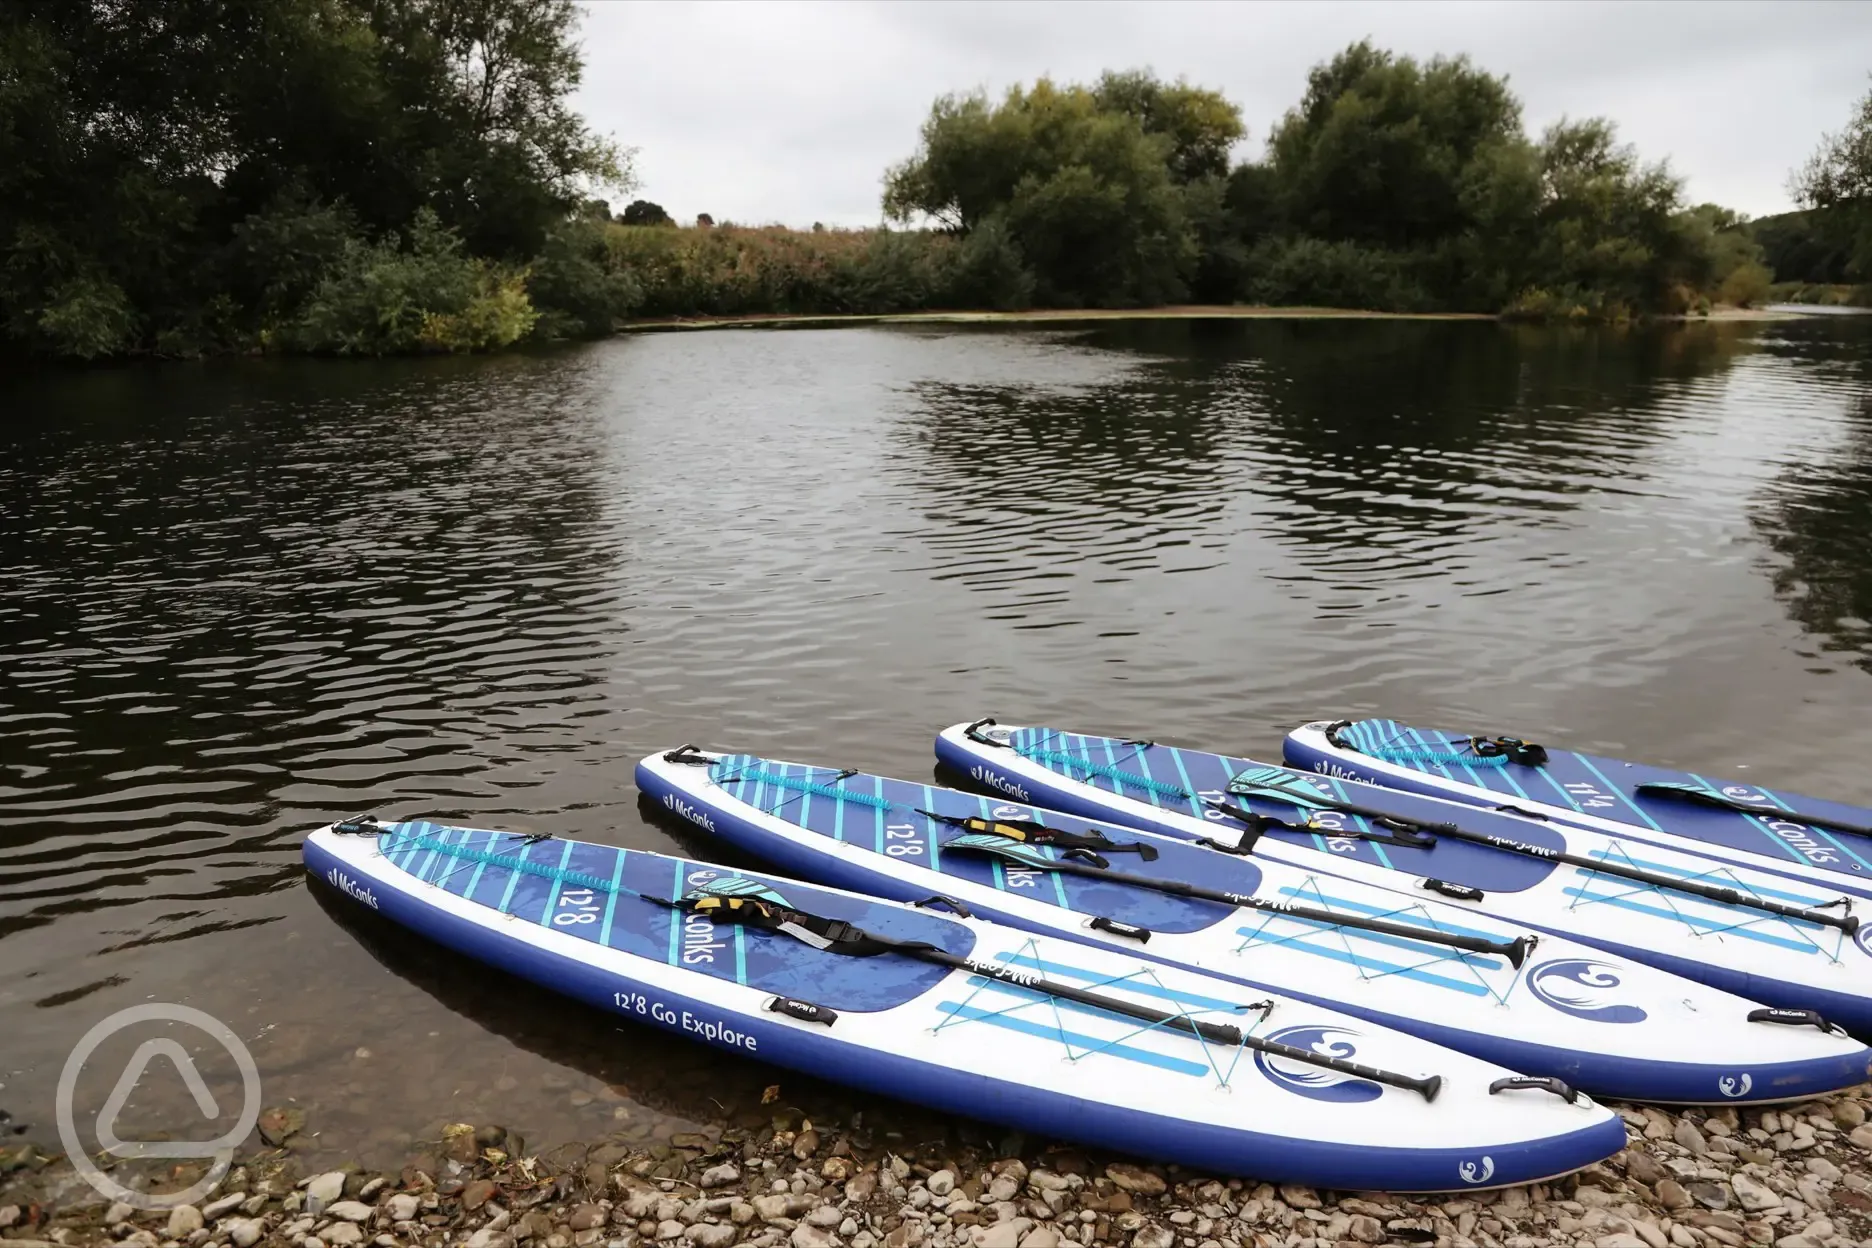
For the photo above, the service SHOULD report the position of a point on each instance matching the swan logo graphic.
(1582, 988)
(220, 1149)
(1477, 1172)
(1733, 1087)
(1317, 1082)
(1863, 938)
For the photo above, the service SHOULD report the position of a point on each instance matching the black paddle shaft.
(1722, 802)
(1515, 950)
(1217, 1033)
(1847, 923)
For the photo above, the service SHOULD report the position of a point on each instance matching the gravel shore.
(1795, 1177)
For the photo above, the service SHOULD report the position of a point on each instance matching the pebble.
(1862, 1136)
(808, 1236)
(325, 1188)
(349, 1211)
(245, 1232)
(116, 1214)
(343, 1233)
(720, 1176)
(710, 1235)
(941, 1183)
(403, 1206)
(1689, 1138)
(1151, 1235)
(1753, 1195)
(184, 1220)
(1671, 1194)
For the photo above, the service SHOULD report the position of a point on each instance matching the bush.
(380, 299)
(578, 293)
(1746, 285)
(85, 318)
(1311, 271)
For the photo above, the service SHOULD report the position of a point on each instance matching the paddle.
(1251, 784)
(838, 936)
(1703, 795)
(1515, 950)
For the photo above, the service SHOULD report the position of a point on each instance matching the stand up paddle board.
(1540, 1005)
(1781, 941)
(967, 1016)
(1745, 823)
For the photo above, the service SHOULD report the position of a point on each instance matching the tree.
(139, 141)
(643, 212)
(1837, 181)
(1384, 151)
(1090, 185)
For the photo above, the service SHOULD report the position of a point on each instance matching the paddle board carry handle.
(805, 1011)
(974, 733)
(1703, 796)
(1456, 892)
(1130, 931)
(1790, 1017)
(1514, 1083)
(937, 901)
(690, 755)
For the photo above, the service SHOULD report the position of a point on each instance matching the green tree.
(1091, 185)
(1837, 182)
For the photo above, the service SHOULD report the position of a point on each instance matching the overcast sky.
(790, 112)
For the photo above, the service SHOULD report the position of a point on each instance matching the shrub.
(578, 293)
(1746, 285)
(380, 299)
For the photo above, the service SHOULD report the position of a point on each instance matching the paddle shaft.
(1846, 923)
(1755, 808)
(1514, 950)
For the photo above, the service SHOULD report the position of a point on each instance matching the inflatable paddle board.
(1781, 941)
(968, 1016)
(1744, 823)
(1540, 1005)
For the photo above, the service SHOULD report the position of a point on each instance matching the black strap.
(937, 901)
(1130, 931)
(1401, 833)
(805, 1011)
(690, 755)
(1793, 1018)
(360, 825)
(1559, 1087)
(1031, 833)
(1461, 892)
(1522, 753)
(832, 935)
(973, 732)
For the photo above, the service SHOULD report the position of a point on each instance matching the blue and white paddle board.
(1792, 963)
(1601, 1022)
(1609, 795)
(573, 917)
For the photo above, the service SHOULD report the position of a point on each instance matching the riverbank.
(1181, 312)
(1796, 1177)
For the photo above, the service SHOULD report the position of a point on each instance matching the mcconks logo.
(351, 888)
(1582, 988)
(995, 780)
(696, 816)
(1317, 1082)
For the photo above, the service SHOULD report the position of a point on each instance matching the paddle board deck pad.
(1676, 808)
(1006, 1033)
(1769, 938)
(1602, 1023)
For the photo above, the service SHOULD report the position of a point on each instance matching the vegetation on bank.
(183, 177)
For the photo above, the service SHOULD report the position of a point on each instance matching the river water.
(241, 598)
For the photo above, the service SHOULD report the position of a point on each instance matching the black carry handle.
(1794, 1018)
(1559, 1087)
(1130, 931)
(973, 733)
(1460, 892)
(805, 1011)
(940, 902)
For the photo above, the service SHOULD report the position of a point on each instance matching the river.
(240, 598)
